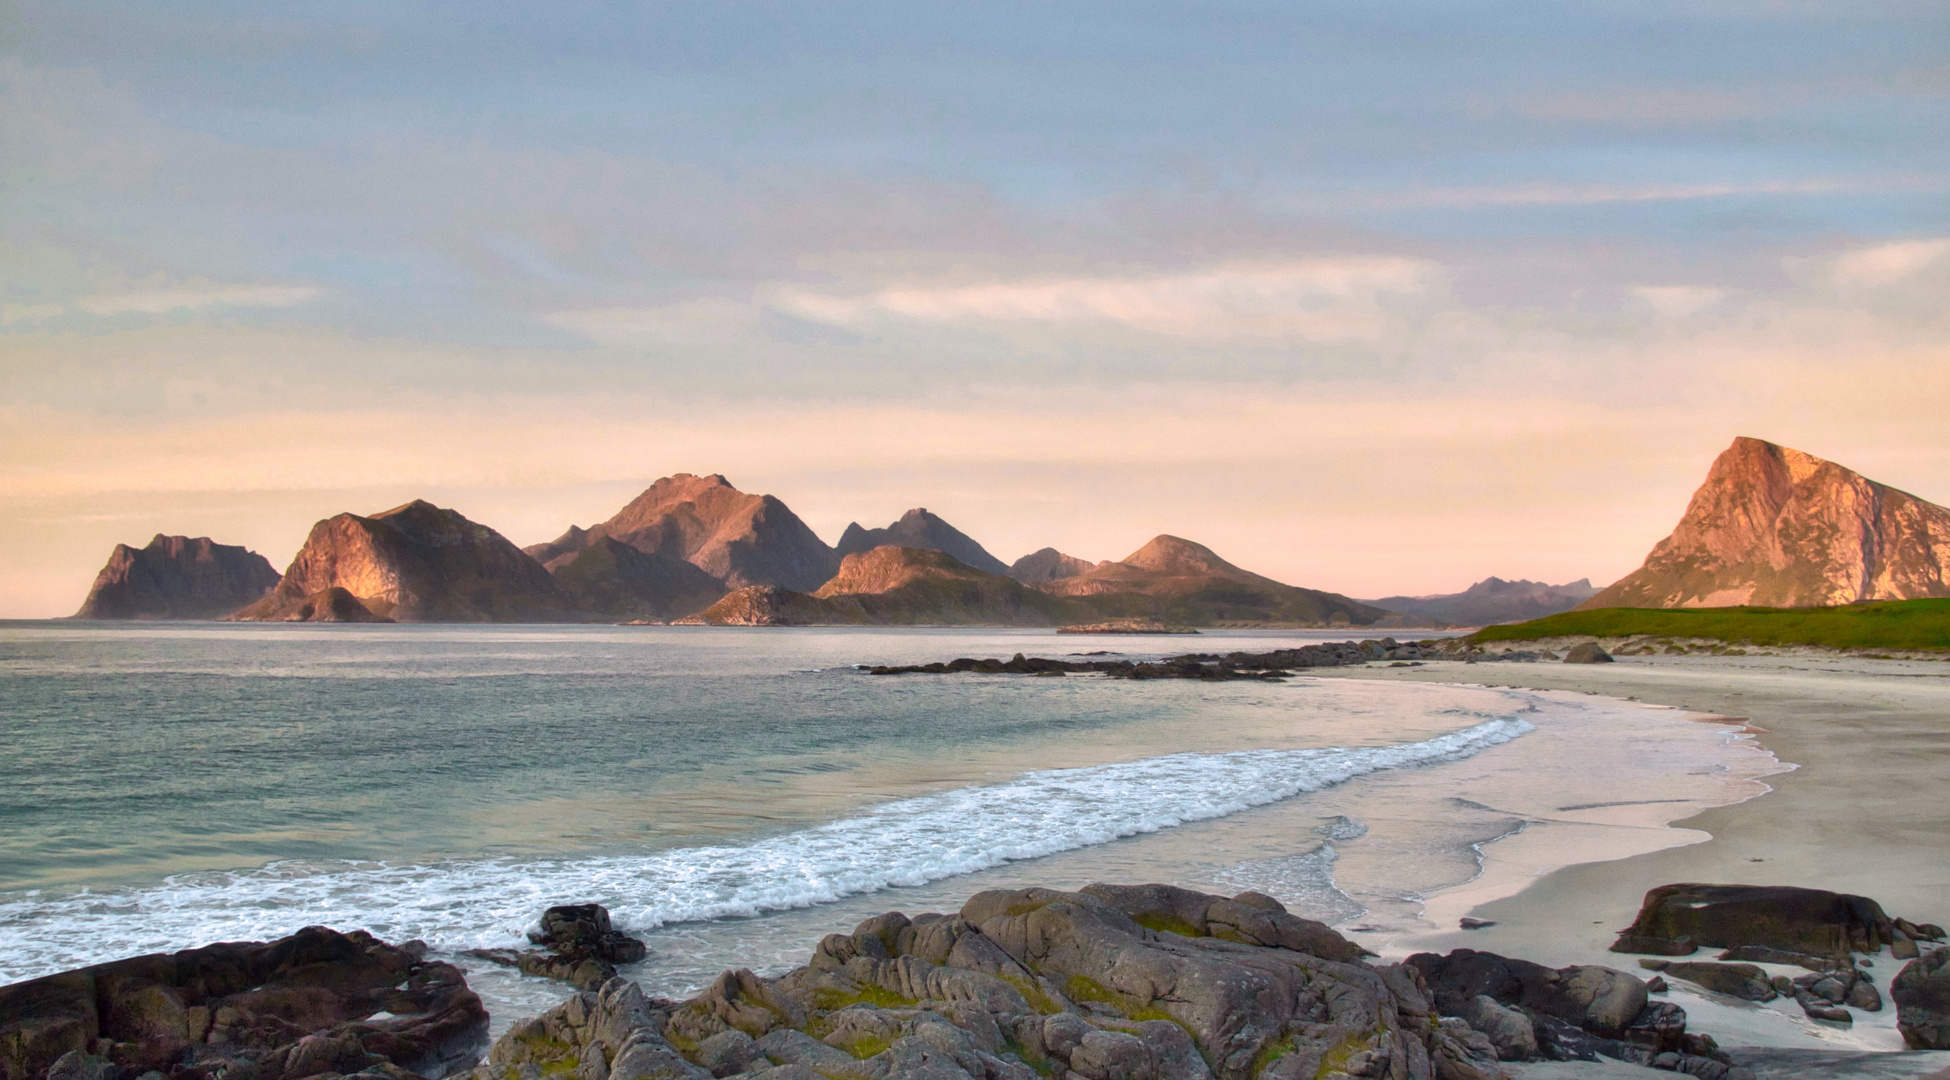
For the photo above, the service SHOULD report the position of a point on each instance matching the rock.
(1818, 1009)
(1903, 948)
(1656, 985)
(1468, 923)
(577, 930)
(1587, 652)
(1744, 981)
(282, 1010)
(1510, 1031)
(585, 973)
(1595, 1000)
(1774, 916)
(1863, 995)
(1921, 991)
(612, 1034)
(175, 577)
(1760, 954)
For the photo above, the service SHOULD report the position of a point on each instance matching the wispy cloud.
(1325, 299)
(1575, 194)
(1887, 264)
(189, 297)
(1679, 301)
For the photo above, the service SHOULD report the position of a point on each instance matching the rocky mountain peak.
(177, 577)
(920, 529)
(1174, 555)
(1778, 527)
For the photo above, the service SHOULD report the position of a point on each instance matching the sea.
(732, 794)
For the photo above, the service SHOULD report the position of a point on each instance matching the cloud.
(1679, 301)
(1887, 264)
(1326, 299)
(191, 297)
(1558, 193)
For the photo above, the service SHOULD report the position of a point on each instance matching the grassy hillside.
(1897, 624)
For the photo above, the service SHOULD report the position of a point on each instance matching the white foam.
(488, 903)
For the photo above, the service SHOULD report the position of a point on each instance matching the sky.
(1372, 297)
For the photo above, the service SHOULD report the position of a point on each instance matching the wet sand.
(1864, 811)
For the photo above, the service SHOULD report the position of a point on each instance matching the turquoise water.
(730, 793)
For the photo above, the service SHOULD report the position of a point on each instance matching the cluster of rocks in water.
(1147, 982)
(582, 949)
(1273, 665)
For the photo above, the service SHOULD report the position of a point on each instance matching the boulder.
(615, 1033)
(583, 948)
(317, 1001)
(1587, 652)
(1675, 919)
(1921, 991)
(1744, 981)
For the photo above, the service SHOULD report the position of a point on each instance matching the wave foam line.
(489, 903)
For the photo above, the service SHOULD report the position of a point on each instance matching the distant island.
(1771, 526)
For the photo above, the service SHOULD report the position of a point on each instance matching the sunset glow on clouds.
(1359, 307)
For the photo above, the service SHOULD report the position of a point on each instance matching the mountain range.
(1493, 600)
(1770, 526)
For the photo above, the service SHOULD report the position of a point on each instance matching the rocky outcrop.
(325, 605)
(1528, 1011)
(1492, 600)
(416, 563)
(1049, 564)
(582, 949)
(1676, 919)
(175, 577)
(612, 579)
(1177, 581)
(1921, 991)
(1210, 667)
(738, 539)
(919, 529)
(1775, 527)
(1588, 652)
(1108, 983)
(894, 586)
(317, 1002)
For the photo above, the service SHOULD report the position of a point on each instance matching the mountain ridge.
(177, 577)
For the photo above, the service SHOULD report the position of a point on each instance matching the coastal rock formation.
(582, 948)
(1492, 600)
(1049, 564)
(919, 529)
(1587, 652)
(738, 539)
(1921, 991)
(1775, 527)
(317, 1002)
(1676, 919)
(416, 563)
(896, 586)
(327, 605)
(175, 577)
(1109, 983)
(1177, 581)
(613, 579)
(1210, 667)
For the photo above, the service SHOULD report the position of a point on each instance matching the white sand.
(1863, 811)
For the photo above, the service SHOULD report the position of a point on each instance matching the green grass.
(1895, 624)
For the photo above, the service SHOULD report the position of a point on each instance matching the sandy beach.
(1861, 811)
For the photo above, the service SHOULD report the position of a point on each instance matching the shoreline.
(1860, 812)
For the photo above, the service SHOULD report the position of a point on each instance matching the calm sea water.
(732, 794)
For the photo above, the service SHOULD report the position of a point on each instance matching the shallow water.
(735, 794)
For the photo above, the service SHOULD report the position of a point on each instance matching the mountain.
(1493, 600)
(897, 586)
(1774, 527)
(176, 577)
(613, 579)
(738, 539)
(919, 529)
(1177, 581)
(414, 563)
(1049, 564)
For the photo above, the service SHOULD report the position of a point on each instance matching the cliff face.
(1775, 527)
(613, 579)
(416, 563)
(1493, 600)
(896, 586)
(1050, 564)
(1177, 581)
(175, 577)
(736, 538)
(919, 529)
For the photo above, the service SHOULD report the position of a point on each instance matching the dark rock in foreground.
(316, 1003)
(583, 950)
(1676, 919)
(1587, 652)
(1922, 995)
(175, 577)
